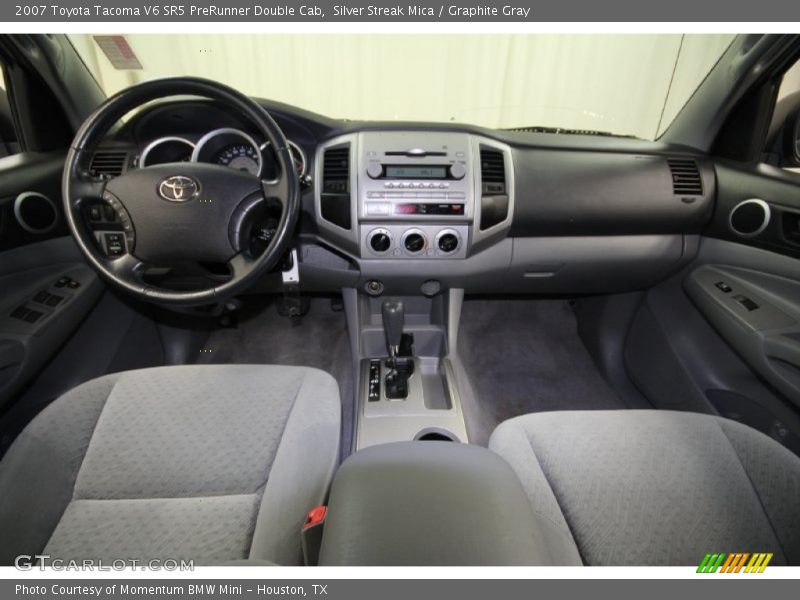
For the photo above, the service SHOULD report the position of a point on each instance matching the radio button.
(374, 169)
(377, 208)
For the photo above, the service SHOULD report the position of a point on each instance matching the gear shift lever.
(400, 368)
(393, 318)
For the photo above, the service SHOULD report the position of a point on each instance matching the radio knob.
(380, 242)
(457, 171)
(448, 242)
(374, 169)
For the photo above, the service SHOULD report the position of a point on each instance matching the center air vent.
(686, 180)
(494, 195)
(335, 199)
(109, 163)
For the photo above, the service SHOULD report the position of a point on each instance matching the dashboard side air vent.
(109, 163)
(686, 179)
(335, 200)
(494, 193)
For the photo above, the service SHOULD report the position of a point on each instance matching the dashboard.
(392, 207)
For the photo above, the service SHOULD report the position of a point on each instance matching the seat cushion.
(656, 487)
(208, 463)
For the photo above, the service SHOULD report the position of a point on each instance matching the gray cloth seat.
(207, 463)
(645, 487)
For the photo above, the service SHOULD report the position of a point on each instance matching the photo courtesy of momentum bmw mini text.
(357, 299)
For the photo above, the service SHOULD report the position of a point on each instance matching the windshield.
(630, 85)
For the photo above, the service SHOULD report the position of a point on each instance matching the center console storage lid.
(436, 503)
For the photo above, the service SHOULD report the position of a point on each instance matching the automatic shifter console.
(401, 360)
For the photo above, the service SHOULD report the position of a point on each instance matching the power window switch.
(53, 300)
(19, 313)
(73, 285)
(33, 316)
(749, 304)
(63, 281)
(723, 287)
(41, 297)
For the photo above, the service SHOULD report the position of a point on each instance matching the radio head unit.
(415, 176)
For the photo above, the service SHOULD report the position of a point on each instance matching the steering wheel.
(179, 212)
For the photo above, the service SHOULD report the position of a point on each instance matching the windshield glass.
(621, 84)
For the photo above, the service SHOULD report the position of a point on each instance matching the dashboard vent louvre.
(494, 197)
(493, 167)
(335, 200)
(336, 170)
(686, 179)
(109, 162)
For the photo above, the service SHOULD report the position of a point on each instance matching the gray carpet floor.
(524, 356)
(262, 336)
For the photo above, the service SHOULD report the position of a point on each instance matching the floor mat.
(262, 336)
(525, 356)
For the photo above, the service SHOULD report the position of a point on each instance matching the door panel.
(30, 199)
(47, 289)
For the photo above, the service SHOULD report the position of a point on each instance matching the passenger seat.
(647, 487)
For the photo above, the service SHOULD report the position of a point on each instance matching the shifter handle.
(393, 318)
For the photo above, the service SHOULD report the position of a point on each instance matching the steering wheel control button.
(178, 188)
(115, 244)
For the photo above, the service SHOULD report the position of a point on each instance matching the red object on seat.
(315, 516)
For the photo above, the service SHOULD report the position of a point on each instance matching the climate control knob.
(380, 241)
(447, 242)
(414, 241)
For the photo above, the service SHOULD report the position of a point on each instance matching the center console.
(407, 389)
(448, 504)
(406, 195)
(410, 209)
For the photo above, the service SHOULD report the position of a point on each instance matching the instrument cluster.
(226, 146)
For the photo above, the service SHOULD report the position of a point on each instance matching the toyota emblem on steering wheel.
(178, 188)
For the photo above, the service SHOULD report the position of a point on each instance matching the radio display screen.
(415, 172)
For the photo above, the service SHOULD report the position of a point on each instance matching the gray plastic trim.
(18, 202)
(157, 142)
(764, 224)
(344, 239)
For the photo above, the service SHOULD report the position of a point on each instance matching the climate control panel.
(404, 241)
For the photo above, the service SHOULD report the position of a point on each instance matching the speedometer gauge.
(241, 156)
(231, 148)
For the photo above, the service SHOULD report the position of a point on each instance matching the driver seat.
(215, 464)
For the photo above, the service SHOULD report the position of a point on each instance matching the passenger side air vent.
(686, 180)
(110, 163)
(494, 197)
(335, 200)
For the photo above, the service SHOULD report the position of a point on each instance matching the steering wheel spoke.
(241, 265)
(276, 190)
(85, 187)
(127, 267)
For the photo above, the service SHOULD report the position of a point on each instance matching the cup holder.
(435, 434)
